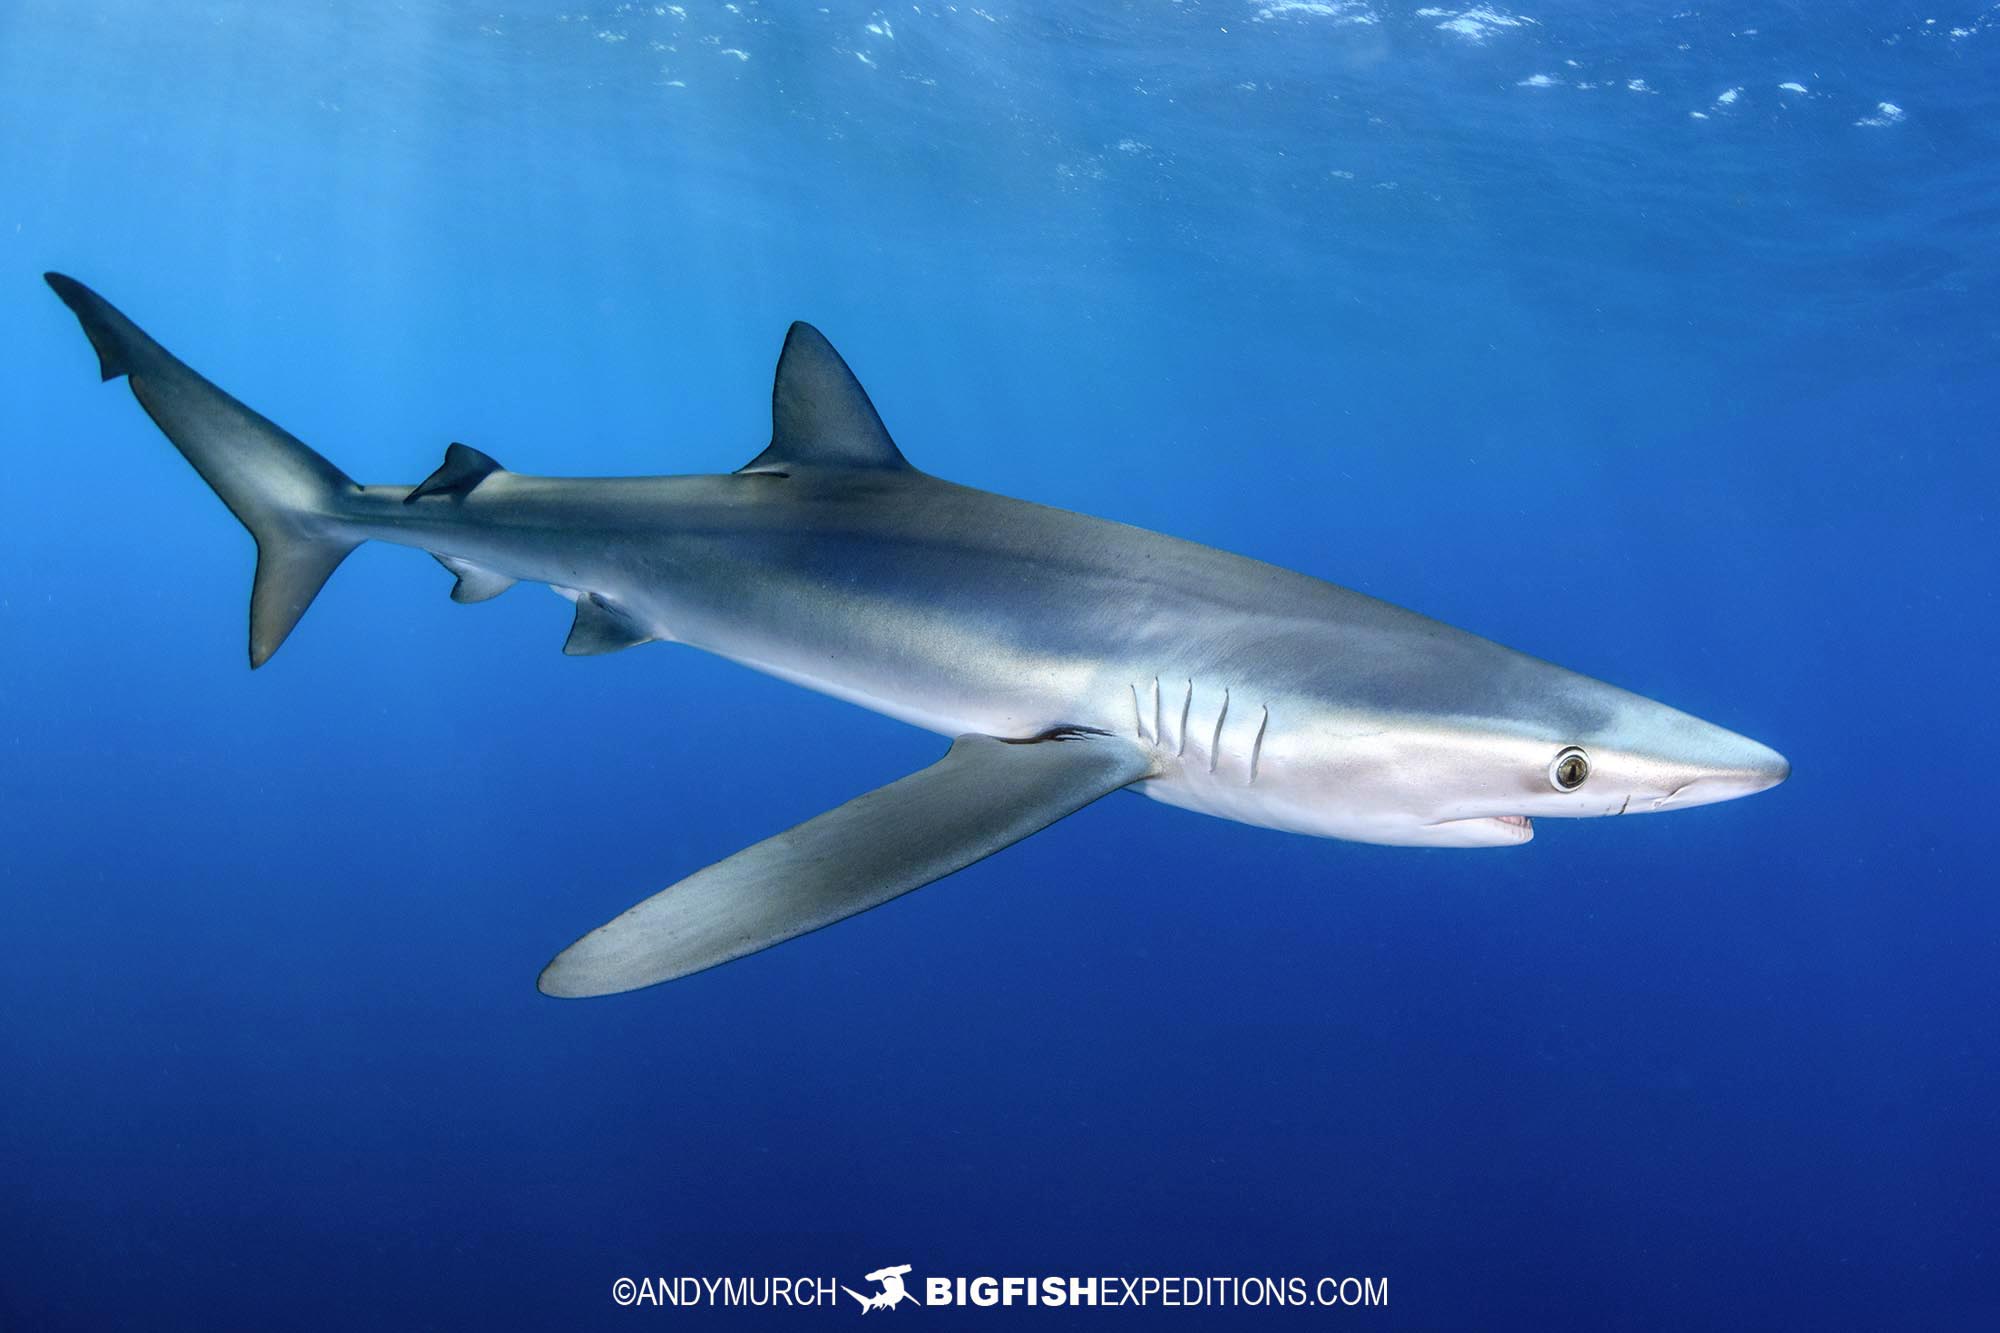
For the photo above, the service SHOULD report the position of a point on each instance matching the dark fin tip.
(99, 320)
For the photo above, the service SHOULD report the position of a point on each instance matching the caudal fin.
(287, 495)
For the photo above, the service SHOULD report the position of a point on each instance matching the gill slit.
(1186, 703)
(1257, 745)
(1215, 741)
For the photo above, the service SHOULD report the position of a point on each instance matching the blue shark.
(1067, 657)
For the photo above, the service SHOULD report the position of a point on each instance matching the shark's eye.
(1568, 769)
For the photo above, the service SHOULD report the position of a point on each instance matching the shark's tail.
(287, 495)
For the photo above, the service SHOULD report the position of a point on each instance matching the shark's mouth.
(1490, 830)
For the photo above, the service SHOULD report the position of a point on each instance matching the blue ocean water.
(1654, 340)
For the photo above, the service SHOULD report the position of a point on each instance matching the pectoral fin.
(985, 794)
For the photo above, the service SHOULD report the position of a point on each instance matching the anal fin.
(600, 628)
(475, 582)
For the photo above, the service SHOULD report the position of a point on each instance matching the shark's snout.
(1772, 768)
(1748, 769)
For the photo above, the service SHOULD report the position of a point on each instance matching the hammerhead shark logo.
(893, 1292)
(1067, 656)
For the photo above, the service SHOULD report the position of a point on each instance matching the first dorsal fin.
(820, 414)
(464, 467)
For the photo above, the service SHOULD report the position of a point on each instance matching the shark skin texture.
(1066, 656)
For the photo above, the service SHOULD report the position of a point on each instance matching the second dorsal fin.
(820, 414)
(464, 467)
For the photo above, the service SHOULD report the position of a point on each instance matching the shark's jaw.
(1487, 831)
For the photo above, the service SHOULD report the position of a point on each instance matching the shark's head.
(1571, 747)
